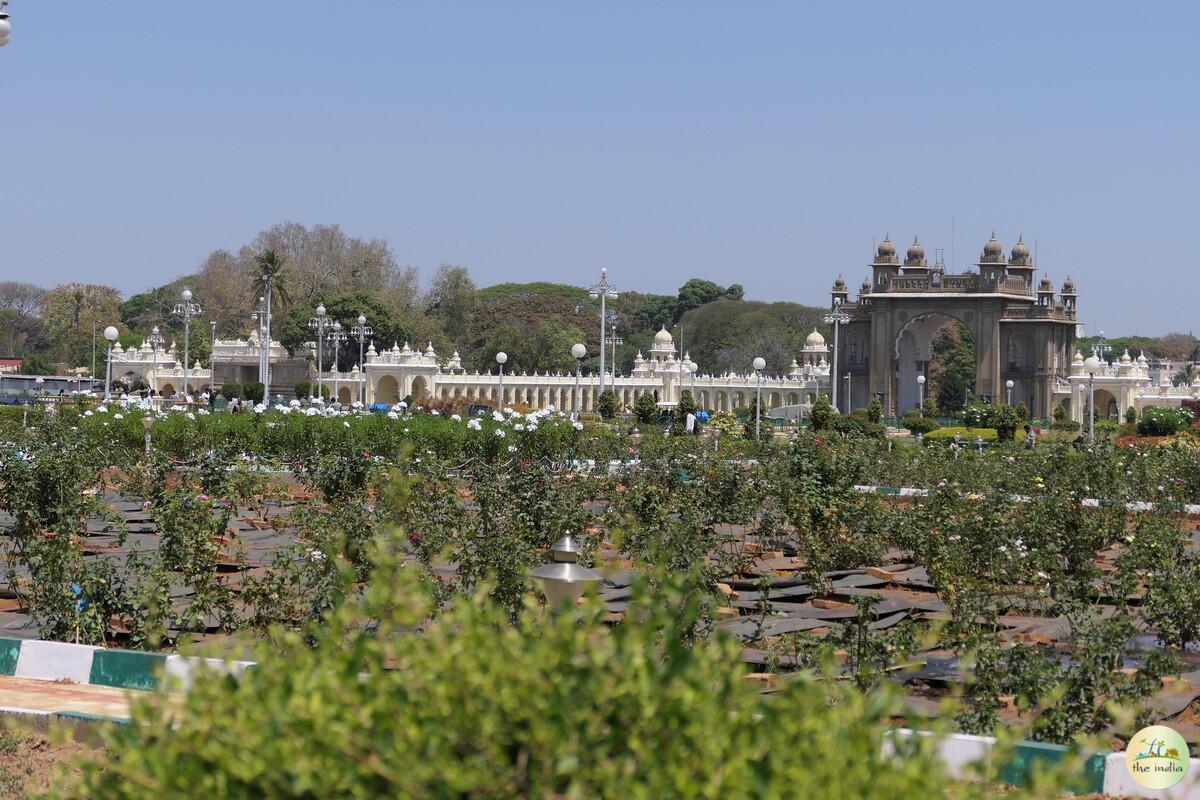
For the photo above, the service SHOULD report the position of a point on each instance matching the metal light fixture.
(155, 340)
(319, 322)
(563, 580)
(1008, 387)
(1092, 365)
(111, 334)
(5, 25)
(836, 318)
(187, 309)
(361, 331)
(759, 365)
(921, 392)
(602, 291)
(578, 351)
(501, 359)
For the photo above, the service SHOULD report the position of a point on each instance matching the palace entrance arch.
(1021, 332)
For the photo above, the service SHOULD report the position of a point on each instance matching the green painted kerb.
(127, 669)
(1031, 756)
(10, 649)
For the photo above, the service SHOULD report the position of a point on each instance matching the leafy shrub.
(1131, 415)
(307, 389)
(253, 392)
(606, 404)
(968, 435)
(821, 416)
(1158, 421)
(1068, 425)
(874, 411)
(916, 422)
(231, 389)
(551, 707)
(646, 408)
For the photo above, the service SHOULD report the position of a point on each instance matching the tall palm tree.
(268, 268)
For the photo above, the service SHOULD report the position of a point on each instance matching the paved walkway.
(31, 696)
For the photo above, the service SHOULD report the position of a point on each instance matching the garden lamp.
(563, 579)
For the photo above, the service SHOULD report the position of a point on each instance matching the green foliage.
(232, 389)
(1131, 415)
(646, 408)
(606, 404)
(294, 330)
(253, 391)
(875, 411)
(952, 369)
(821, 417)
(1158, 421)
(916, 422)
(37, 364)
(1004, 419)
(306, 389)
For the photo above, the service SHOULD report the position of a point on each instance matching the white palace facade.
(390, 375)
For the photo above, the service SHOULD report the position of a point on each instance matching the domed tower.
(664, 347)
(815, 350)
(914, 259)
(1068, 294)
(1045, 292)
(864, 292)
(839, 294)
(991, 263)
(1020, 264)
(885, 266)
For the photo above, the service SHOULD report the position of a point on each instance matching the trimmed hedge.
(969, 435)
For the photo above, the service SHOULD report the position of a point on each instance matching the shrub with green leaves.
(1158, 421)
(557, 705)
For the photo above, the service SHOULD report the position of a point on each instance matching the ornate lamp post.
(362, 332)
(578, 351)
(1091, 365)
(563, 580)
(5, 25)
(1008, 387)
(613, 340)
(759, 365)
(155, 340)
(921, 392)
(605, 291)
(336, 338)
(110, 333)
(264, 343)
(318, 322)
(187, 309)
(501, 359)
(836, 318)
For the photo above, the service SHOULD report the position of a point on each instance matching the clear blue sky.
(766, 144)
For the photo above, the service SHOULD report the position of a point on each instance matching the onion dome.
(840, 284)
(1068, 286)
(886, 249)
(1020, 254)
(916, 253)
(993, 251)
(866, 286)
(663, 336)
(815, 339)
(1078, 359)
(1046, 285)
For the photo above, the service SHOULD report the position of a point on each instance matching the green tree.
(874, 410)
(452, 299)
(606, 404)
(646, 408)
(735, 292)
(821, 416)
(269, 270)
(952, 368)
(294, 330)
(696, 293)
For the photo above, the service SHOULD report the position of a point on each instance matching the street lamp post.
(155, 339)
(604, 291)
(318, 322)
(846, 378)
(578, 351)
(5, 25)
(759, 364)
(1008, 387)
(501, 359)
(613, 340)
(186, 309)
(336, 338)
(836, 318)
(110, 333)
(1092, 365)
(563, 580)
(362, 332)
(921, 393)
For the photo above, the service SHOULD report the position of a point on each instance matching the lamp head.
(362, 320)
(501, 357)
(111, 333)
(594, 294)
(578, 350)
(760, 363)
(321, 310)
(5, 28)
(186, 295)
(1008, 384)
(921, 379)
(154, 330)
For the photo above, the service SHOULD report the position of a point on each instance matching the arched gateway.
(1020, 331)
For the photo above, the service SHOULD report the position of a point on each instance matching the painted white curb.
(55, 661)
(180, 669)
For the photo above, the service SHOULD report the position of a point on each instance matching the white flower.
(518, 427)
(474, 424)
(435, 413)
(316, 555)
(294, 404)
(345, 424)
(500, 433)
(456, 417)
(270, 424)
(190, 415)
(259, 408)
(577, 426)
(122, 416)
(205, 411)
(497, 416)
(512, 448)
(101, 409)
(393, 415)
